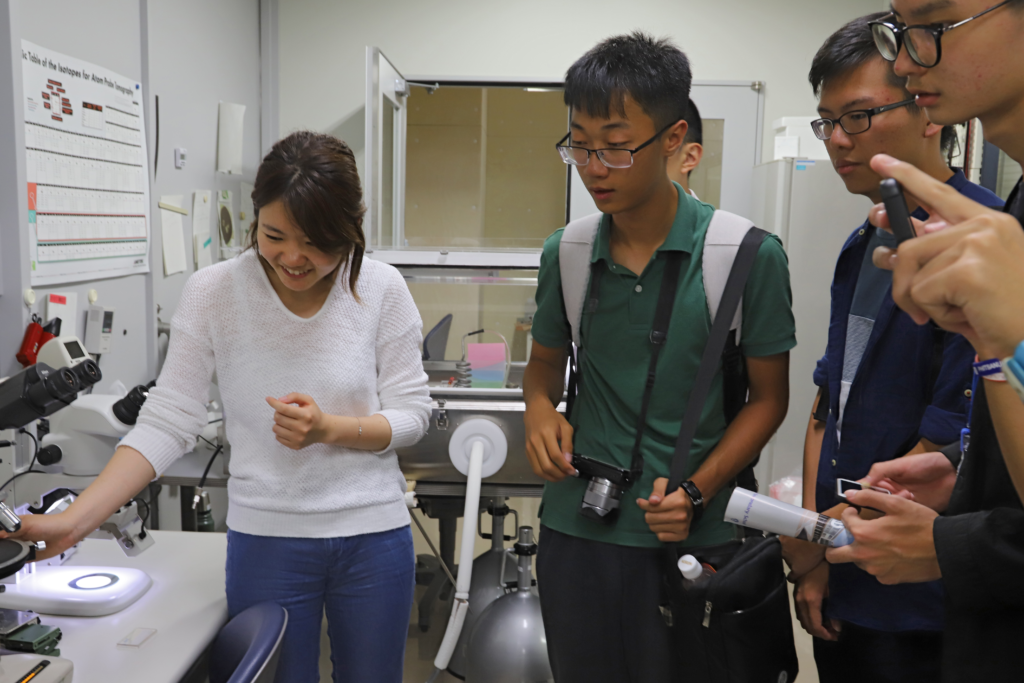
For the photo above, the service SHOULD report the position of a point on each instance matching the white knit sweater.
(354, 358)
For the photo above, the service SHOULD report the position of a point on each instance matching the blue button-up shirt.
(892, 405)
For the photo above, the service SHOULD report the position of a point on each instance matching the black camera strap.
(734, 286)
(658, 337)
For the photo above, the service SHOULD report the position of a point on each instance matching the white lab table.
(186, 605)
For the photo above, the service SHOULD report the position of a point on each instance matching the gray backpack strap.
(574, 253)
(722, 242)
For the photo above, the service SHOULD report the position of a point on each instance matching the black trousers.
(863, 654)
(600, 604)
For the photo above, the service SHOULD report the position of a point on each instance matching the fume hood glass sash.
(386, 131)
(385, 127)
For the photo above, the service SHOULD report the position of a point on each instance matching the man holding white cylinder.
(888, 387)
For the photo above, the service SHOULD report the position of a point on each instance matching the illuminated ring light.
(94, 582)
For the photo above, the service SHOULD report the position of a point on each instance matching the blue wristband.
(1013, 368)
(990, 369)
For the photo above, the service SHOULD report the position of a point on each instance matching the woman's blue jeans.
(365, 583)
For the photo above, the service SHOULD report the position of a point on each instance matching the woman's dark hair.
(654, 73)
(850, 47)
(314, 175)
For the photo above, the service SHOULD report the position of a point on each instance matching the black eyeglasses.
(924, 43)
(612, 157)
(853, 122)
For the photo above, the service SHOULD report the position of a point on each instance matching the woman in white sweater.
(317, 357)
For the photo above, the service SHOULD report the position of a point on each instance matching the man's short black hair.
(654, 73)
(695, 128)
(850, 47)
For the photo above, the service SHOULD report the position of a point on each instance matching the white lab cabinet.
(806, 204)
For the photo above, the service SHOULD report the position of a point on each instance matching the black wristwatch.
(697, 498)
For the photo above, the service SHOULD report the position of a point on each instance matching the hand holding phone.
(844, 485)
(897, 211)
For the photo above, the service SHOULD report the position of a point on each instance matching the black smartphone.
(896, 208)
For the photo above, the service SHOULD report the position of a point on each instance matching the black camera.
(604, 490)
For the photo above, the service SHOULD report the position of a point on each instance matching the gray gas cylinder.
(491, 570)
(508, 644)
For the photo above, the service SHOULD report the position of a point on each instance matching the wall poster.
(86, 166)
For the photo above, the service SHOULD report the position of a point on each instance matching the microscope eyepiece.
(127, 409)
(88, 372)
(35, 392)
(51, 386)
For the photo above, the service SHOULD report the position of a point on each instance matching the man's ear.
(674, 137)
(690, 156)
(932, 129)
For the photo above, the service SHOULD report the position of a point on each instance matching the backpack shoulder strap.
(722, 242)
(574, 253)
(736, 280)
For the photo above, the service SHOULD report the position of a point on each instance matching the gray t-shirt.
(873, 286)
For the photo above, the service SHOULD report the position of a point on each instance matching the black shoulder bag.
(736, 628)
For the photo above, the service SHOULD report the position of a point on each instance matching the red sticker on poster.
(58, 299)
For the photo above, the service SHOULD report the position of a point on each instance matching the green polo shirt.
(618, 352)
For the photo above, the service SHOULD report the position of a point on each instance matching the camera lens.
(601, 500)
(88, 372)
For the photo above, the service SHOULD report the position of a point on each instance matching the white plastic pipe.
(462, 583)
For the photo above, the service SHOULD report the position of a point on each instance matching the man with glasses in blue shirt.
(965, 524)
(887, 387)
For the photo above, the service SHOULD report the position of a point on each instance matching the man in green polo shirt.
(601, 583)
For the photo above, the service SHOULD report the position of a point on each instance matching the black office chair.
(248, 647)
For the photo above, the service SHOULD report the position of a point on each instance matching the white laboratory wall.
(322, 60)
(200, 53)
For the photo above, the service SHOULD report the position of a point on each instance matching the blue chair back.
(247, 649)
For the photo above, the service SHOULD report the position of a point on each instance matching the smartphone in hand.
(896, 209)
(844, 485)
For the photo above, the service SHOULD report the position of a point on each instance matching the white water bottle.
(695, 574)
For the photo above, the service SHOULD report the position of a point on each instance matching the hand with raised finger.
(548, 442)
(298, 421)
(975, 287)
(926, 478)
(809, 596)
(949, 210)
(895, 548)
(668, 516)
